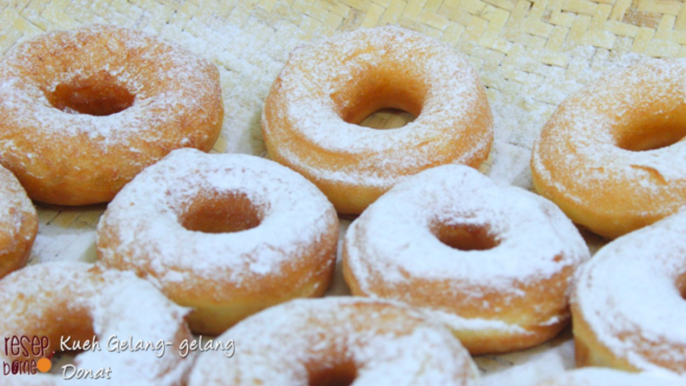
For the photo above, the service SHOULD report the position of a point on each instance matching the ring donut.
(72, 303)
(628, 301)
(613, 156)
(83, 111)
(338, 341)
(492, 262)
(311, 114)
(18, 224)
(225, 234)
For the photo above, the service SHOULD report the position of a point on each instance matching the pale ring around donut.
(326, 88)
(225, 234)
(494, 263)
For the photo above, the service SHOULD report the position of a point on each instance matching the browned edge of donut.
(215, 319)
(588, 351)
(14, 260)
(83, 175)
(16, 257)
(482, 342)
(589, 215)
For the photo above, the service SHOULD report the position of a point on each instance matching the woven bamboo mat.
(530, 55)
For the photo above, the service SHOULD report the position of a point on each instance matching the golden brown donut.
(67, 302)
(494, 263)
(338, 341)
(628, 307)
(613, 156)
(18, 224)
(311, 114)
(83, 111)
(226, 234)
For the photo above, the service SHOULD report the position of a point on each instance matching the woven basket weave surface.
(529, 54)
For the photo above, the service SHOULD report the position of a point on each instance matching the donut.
(58, 306)
(609, 377)
(613, 155)
(18, 224)
(83, 111)
(337, 341)
(311, 114)
(227, 235)
(628, 301)
(494, 263)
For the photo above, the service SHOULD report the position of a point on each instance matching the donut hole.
(340, 374)
(377, 101)
(74, 330)
(651, 133)
(99, 95)
(79, 330)
(385, 119)
(465, 237)
(681, 285)
(220, 213)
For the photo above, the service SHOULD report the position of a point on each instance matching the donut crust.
(469, 253)
(310, 117)
(18, 224)
(636, 328)
(336, 341)
(83, 111)
(100, 304)
(275, 240)
(613, 156)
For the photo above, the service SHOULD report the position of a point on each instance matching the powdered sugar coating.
(44, 299)
(295, 239)
(177, 103)
(18, 219)
(578, 161)
(304, 129)
(18, 223)
(387, 344)
(629, 296)
(608, 377)
(392, 252)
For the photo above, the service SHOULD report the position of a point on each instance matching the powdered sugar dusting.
(305, 99)
(118, 303)
(141, 227)
(521, 108)
(247, 65)
(582, 139)
(391, 244)
(180, 84)
(628, 295)
(250, 49)
(176, 103)
(15, 211)
(388, 344)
